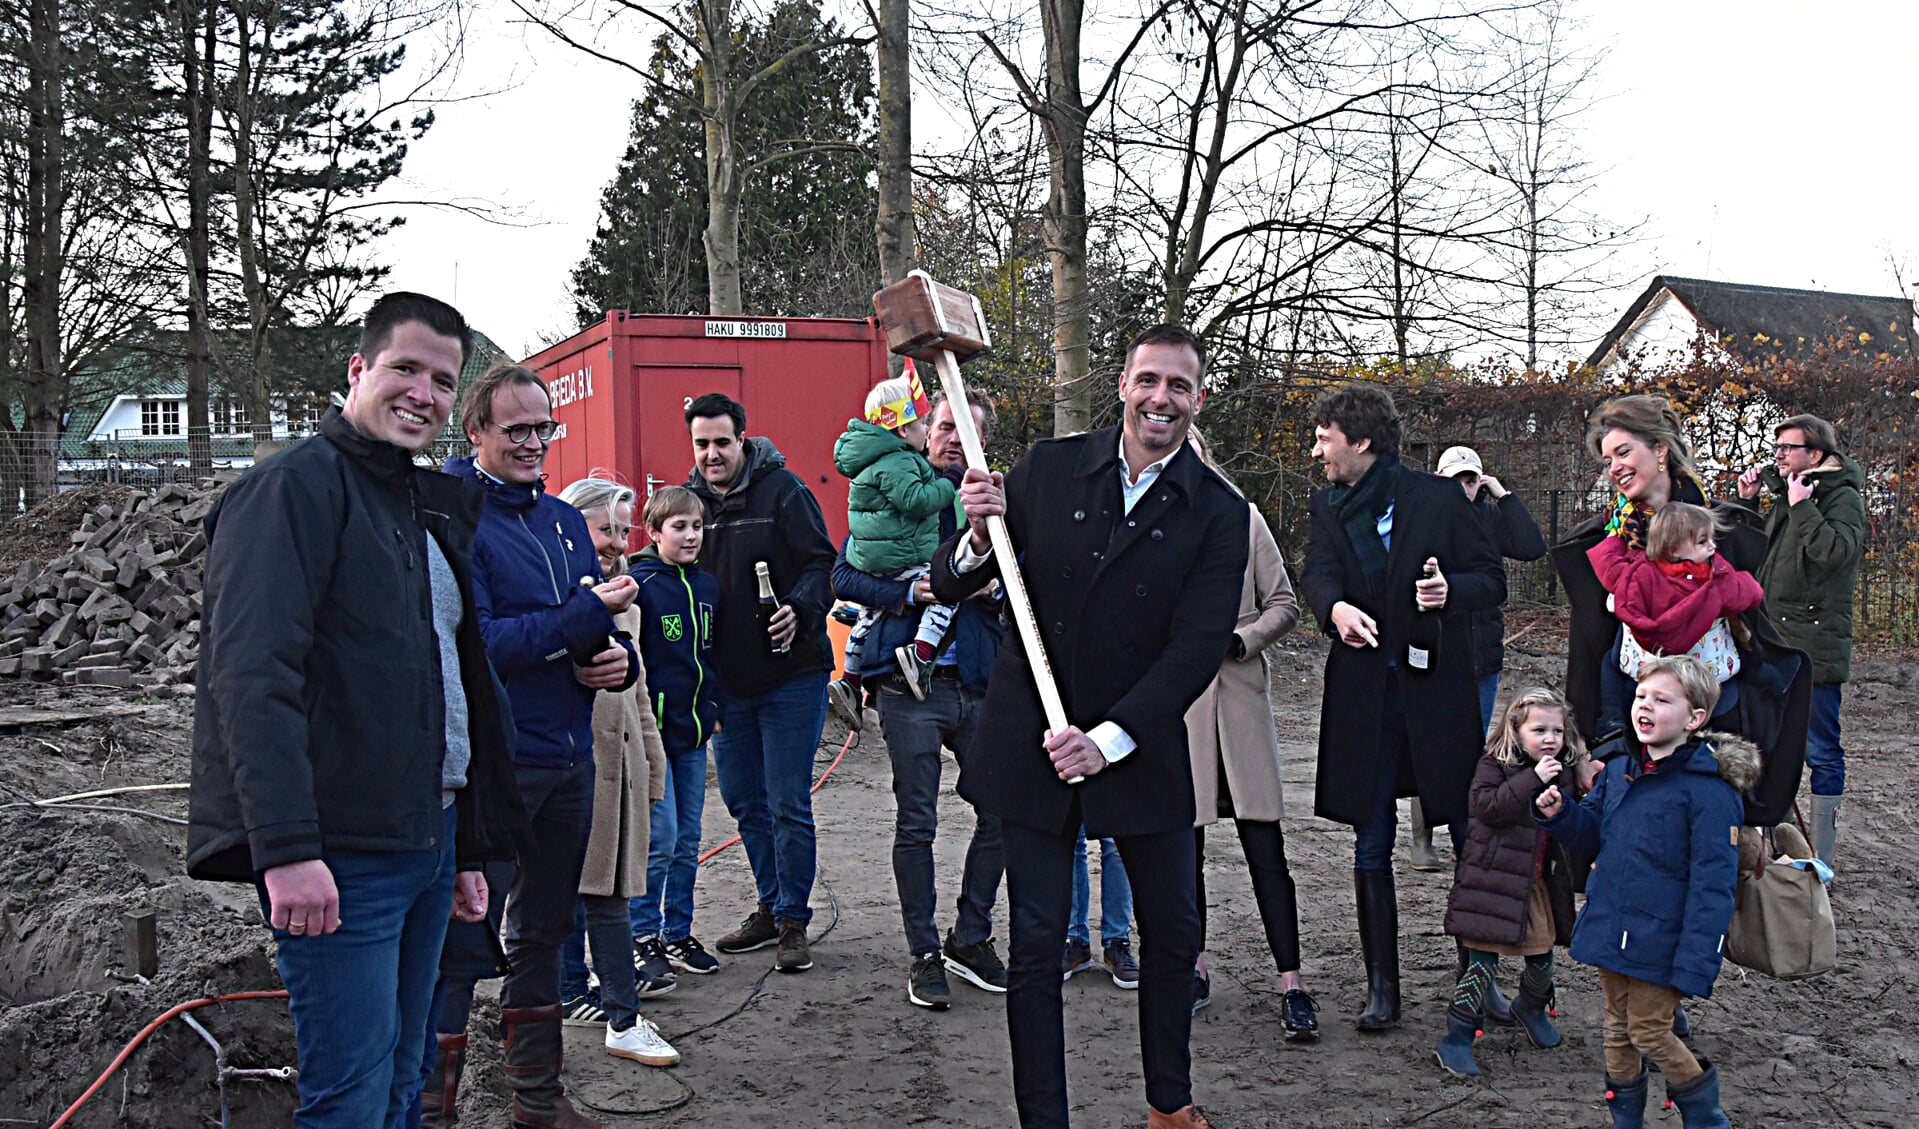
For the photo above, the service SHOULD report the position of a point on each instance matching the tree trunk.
(898, 252)
(12, 450)
(44, 387)
(252, 384)
(1065, 218)
(197, 58)
(725, 171)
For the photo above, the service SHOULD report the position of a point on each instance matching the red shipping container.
(621, 389)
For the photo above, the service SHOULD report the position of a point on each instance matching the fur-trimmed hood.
(1738, 758)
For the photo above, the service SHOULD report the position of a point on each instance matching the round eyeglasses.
(519, 433)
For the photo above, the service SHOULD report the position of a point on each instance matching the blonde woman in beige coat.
(1235, 752)
(630, 774)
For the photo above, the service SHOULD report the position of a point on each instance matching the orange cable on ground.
(850, 737)
(133, 1044)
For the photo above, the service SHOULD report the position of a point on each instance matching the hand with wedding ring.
(302, 898)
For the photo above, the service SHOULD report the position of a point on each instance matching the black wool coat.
(1509, 525)
(1136, 612)
(1439, 708)
(1505, 852)
(1775, 681)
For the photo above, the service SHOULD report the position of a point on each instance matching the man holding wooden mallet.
(1133, 553)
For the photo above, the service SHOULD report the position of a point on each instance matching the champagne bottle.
(1422, 638)
(768, 603)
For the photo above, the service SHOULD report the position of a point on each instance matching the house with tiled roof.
(1752, 324)
(128, 418)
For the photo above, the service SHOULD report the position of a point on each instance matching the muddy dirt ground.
(840, 1046)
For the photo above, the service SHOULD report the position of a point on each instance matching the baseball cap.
(1459, 460)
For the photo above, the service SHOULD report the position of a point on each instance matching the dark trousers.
(1373, 839)
(1273, 891)
(1039, 887)
(914, 732)
(546, 887)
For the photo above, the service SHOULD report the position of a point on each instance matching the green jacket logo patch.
(672, 627)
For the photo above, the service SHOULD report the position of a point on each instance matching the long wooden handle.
(1023, 617)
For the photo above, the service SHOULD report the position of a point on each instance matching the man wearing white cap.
(1512, 530)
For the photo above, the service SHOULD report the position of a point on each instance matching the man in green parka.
(1816, 530)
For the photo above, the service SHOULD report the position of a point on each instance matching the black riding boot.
(1379, 943)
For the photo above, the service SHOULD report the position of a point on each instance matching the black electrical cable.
(688, 1093)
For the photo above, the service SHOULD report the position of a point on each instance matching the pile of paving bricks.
(119, 608)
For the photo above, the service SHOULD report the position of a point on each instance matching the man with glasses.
(548, 623)
(1816, 534)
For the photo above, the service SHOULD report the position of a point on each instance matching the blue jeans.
(361, 997)
(915, 731)
(1488, 698)
(764, 757)
(672, 852)
(1825, 756)
(1115, 895)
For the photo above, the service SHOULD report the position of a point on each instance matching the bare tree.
(1058, 100)
(723, 93)
(1559, 253)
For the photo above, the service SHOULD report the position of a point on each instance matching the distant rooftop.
(1756, 322)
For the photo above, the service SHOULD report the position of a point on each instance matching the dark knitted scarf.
(1359, 508)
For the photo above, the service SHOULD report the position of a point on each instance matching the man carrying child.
(916, 728)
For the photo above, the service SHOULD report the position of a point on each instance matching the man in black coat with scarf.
(1134, 553)
(1389, 545)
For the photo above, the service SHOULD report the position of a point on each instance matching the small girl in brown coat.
(1512, 891)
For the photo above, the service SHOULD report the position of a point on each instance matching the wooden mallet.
(932, 322)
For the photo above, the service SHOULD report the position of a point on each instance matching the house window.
(159, 417)
(229, 417)
(304, 413)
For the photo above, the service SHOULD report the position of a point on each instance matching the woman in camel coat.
(630, 774)
(1234, 746)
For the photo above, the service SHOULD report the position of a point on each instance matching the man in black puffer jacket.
(350, 743)
(774, 666)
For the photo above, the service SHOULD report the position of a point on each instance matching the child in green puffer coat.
(893, 512)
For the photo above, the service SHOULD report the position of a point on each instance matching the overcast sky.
(1761, 142)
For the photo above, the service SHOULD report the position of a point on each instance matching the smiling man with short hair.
(1134, 553)
(349, 754)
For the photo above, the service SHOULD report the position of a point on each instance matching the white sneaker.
(642, 1043)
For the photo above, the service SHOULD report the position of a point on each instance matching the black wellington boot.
(1379, 943)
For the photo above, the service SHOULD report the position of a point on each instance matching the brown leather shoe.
(1188, 1118)
(562, 1115)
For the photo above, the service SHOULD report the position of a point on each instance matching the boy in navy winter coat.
(677, 602)
(1664, 819)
